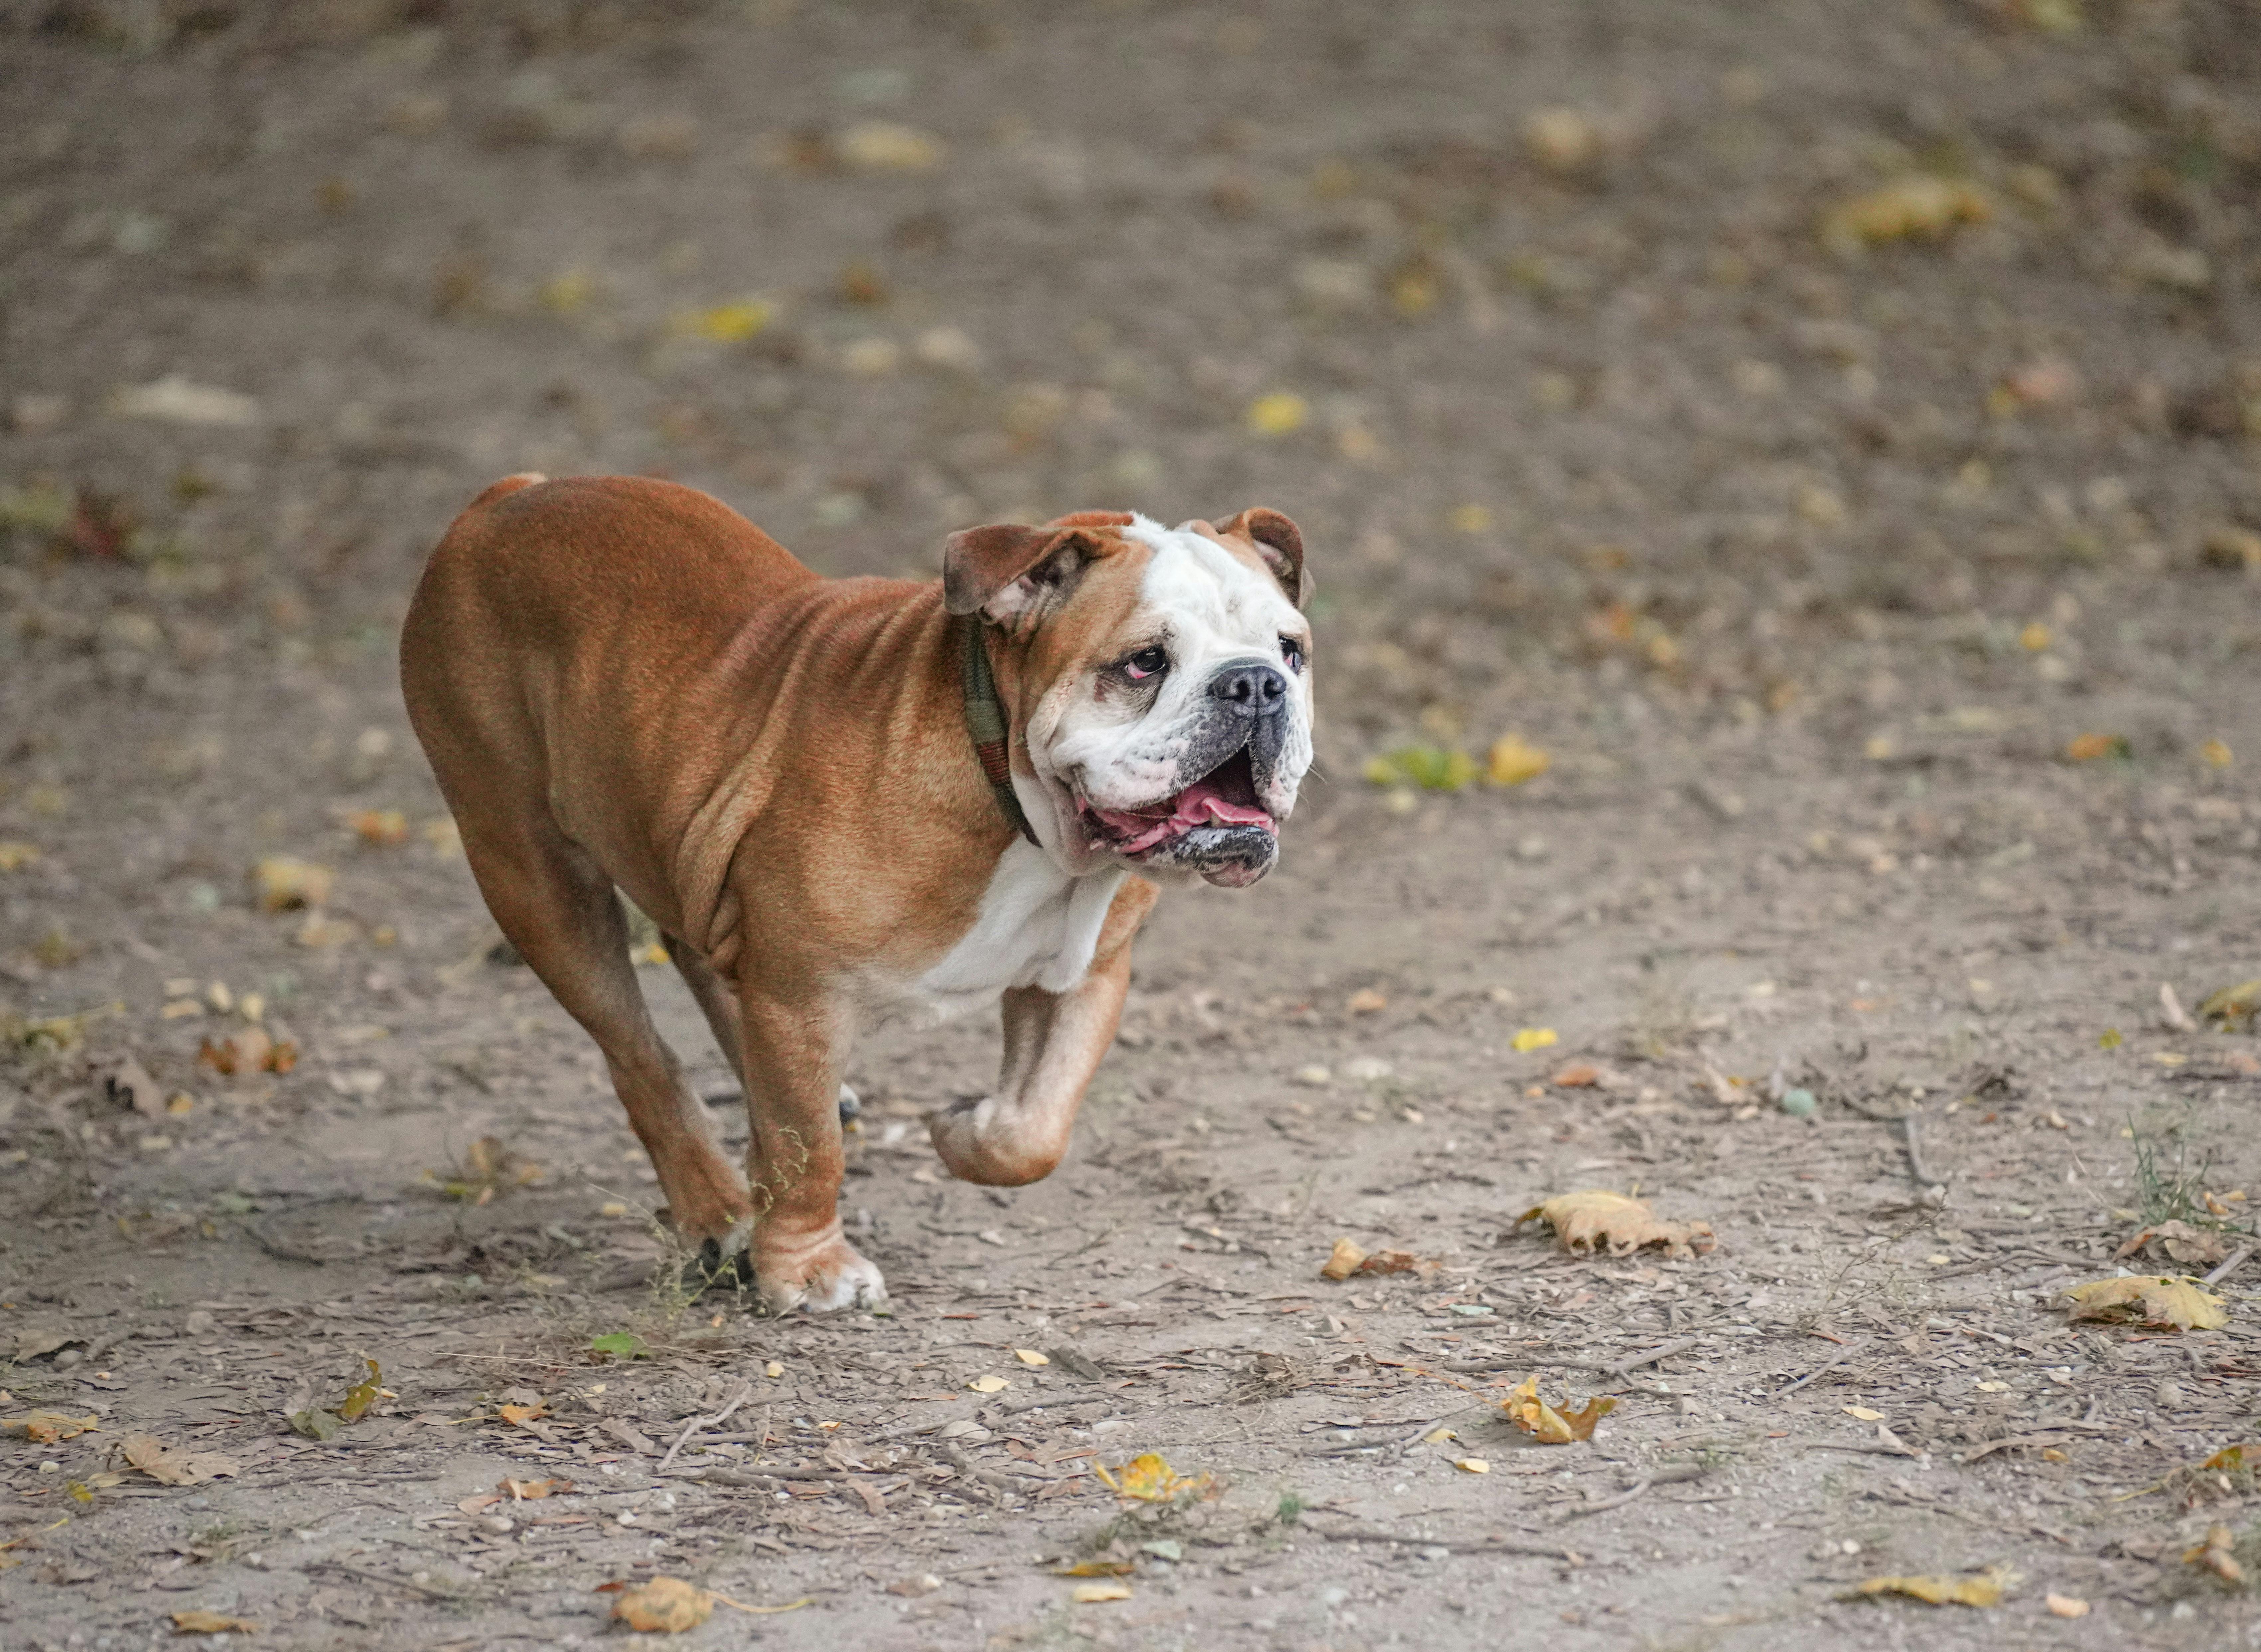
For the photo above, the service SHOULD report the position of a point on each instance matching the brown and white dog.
(623, 682)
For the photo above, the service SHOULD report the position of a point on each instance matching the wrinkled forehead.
(1202, 586)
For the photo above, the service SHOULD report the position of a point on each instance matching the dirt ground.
(1881, 579)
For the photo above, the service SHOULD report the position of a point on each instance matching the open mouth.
(1224, 797)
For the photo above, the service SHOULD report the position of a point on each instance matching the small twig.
(745, 1392)
(2236, 1261)
(382, 1577)
(1617, 1502)
(1662, 1351)
(1822, 1370)
(1461, 1545)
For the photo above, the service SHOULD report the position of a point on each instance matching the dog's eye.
(1145, 663)
(1291, 650)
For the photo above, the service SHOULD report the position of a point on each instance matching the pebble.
(1799, 1103)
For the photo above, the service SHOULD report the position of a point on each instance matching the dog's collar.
(985, 721)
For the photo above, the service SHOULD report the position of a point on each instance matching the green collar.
(985, 721)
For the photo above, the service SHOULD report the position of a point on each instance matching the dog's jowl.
(844, 796)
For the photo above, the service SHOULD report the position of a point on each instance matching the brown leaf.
(665, 1605)
(168, 1465)
(1585, 1219)
(211, 1623)
(1548, 1425)
(518, 1416)
(246, 1051)
(2180, 1241)
(531, 1490)
(2233, 1007)
(45, 1427)
(2162, 1303)
(1577, 1075)
(2217, 1555)
(126, 1083)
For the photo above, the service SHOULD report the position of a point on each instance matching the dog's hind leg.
(557, 906)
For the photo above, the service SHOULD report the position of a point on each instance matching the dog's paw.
(722, 1263)
(983, 1141)
(822, 1278)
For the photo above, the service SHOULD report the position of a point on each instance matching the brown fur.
(622, 682)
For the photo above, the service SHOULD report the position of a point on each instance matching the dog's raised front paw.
(823, 1276)
(984, 1140)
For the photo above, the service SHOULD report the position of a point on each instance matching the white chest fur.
(1037, 927)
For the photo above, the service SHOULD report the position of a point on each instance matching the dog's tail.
(507, 485)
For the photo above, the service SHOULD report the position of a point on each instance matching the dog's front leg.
(795, 1161)
(1053, 1044)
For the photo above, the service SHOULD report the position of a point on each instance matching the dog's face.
(1160, 679)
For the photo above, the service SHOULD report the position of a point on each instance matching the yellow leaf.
(15, 855)
(2230, 1459)
(1345, 1261)
(1438, 1436)
(1547, 1424)
(2086, 748)
(2034, 637)
(2214, 752)
(1983, 1590)
(363, 1394)
(1531, 1038)
(884, 145)
(1864, 1413)
(1512, 762)
(1473, 518)
(282, 885)
(732, 323)
(665, 1605)
(1149, 1479)
(1472, 1465)
(990, 1384)
(1917, 205)
(2161, 1302)
(1584, 1220)
(1278, 414)
(1029, 1357)
(1432, 767)
(211, 1623)
(45, 1427)
(1092, 1594)
(2233, 1007)
(2109, 1038)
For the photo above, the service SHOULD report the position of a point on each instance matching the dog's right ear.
(1005, 572)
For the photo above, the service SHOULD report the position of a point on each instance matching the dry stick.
(745, 1392)
(1822, 1370)
(1914, 1145)
(1617, 1502)
(1463, 1546)
(2228, 1268)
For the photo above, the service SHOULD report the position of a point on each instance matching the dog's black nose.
(1254, 687)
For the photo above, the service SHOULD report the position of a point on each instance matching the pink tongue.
(1199, 805)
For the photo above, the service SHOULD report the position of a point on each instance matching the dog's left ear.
(1006, 571)
(1279, 542)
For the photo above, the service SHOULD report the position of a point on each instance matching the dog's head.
(1159, 680)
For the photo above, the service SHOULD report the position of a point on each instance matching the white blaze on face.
(1208, 608)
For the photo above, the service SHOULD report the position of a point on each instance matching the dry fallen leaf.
(529, 1491)
(1577, 1075)
(1149, 1479)
(2180, 1241)
(1097, 1568)
(1863, 1414)
(2233, 1007)
(169, 1466)
(1029, 1357)
(2159, 1301)
(1983, 1590)
(884, 145)
(1345, 1261)
(2216, 1554)
(2086, 748)
(246, 1051)
(1511, 762)
(15, 854)
(1472, 1465)
(1916, 206)
(1582, 1220)
(1545, 1424)
(1531, 1038)
(990, 1384)
(1278, 413)
(211, 1623)
(45, 1427)
(518, 1416)
(280, 884)
(380, 828)
(2066, 1606)
(2231, 1459)
(126, 1083)
(665, 1605)
(1387, 1262)
(1092, 1594)
(363, 1394)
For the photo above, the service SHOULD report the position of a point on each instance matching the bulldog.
(840, 797)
